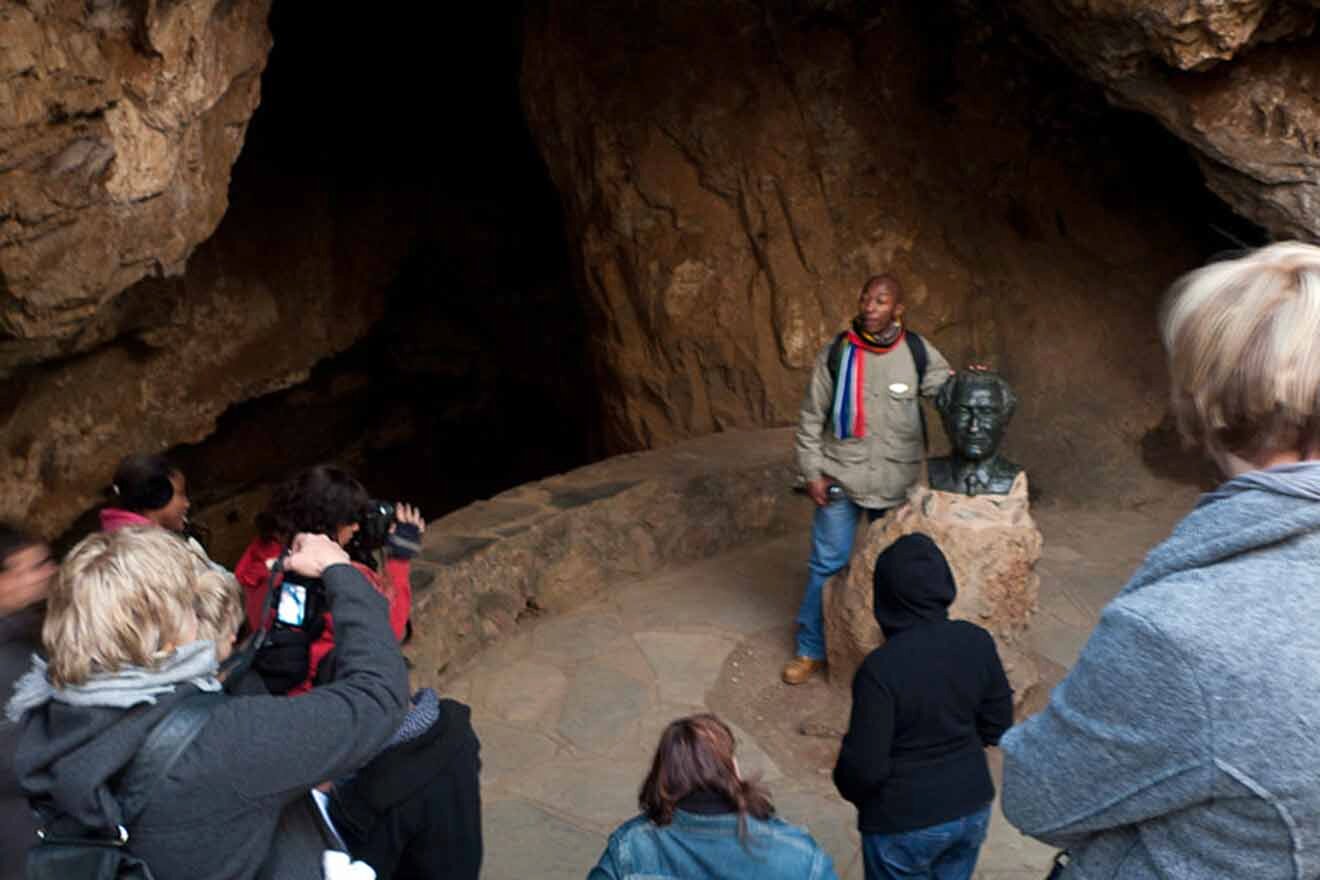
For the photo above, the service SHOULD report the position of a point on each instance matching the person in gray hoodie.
(127, 637)
(1185, 742)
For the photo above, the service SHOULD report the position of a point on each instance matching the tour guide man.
(860, 441)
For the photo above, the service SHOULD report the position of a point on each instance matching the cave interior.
(481, 366)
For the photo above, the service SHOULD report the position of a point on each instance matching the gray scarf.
(194, 664)
(1301, 480)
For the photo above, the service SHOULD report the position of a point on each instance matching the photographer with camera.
(135, 627)
(323, 500)
(413, 812)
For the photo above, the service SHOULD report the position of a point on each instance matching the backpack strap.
(63, 838)
(833, 362)
(835, 357)
(920, 356)
(920, 360)
(161, 750)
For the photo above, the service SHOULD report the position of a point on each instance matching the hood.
(115, 518)
(913, 584)
(73, 742)
(1255, 510)
(71, 754)
(1299, 480)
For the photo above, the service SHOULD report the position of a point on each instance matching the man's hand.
(819, 490)
(313, 554)
(24, 578)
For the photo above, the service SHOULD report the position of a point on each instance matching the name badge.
(898, 388)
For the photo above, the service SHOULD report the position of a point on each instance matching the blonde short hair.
(1243, 340)
(120, 599)
(217, 601)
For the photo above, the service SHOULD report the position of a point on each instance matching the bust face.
(976, 421)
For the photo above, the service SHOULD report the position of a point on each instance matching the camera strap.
(233, 669)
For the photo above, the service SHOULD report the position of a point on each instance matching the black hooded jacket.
(925, 703)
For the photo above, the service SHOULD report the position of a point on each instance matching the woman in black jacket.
(926, 703)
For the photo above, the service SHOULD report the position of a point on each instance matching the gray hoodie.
(214, 817)
(1185, 743)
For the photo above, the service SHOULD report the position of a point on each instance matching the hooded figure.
(925, 705)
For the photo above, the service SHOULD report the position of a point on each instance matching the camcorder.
(373, 530)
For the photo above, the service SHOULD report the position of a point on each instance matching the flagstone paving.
(570, 709)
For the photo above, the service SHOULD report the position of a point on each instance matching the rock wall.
(119, 123)
(549, 545)
(274, 292)
(731, 172)
(335, 213)
(1237, 80)
(992, 546)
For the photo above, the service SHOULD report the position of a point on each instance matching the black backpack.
(920, 360)
(69, 850)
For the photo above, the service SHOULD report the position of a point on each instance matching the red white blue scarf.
(849, 411)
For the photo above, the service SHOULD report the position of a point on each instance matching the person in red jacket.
(329, 501)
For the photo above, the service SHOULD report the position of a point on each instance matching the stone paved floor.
(570, 710)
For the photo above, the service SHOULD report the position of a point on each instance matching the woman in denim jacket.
(700, 818)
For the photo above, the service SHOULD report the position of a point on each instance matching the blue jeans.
(833, 529)
(940, 852)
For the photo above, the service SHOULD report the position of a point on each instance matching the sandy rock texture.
(992, 544)
(491, 567)
(1236, 80)
(119, 123)
(291, 277)
(731, 172)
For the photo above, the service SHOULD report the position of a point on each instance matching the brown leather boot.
(799, 669)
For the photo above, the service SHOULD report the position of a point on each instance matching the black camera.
(373, 529)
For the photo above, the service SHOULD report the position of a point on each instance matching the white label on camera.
(898, 388)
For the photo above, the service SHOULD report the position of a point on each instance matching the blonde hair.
(217, 602)
(120, 599)
(1243, 341)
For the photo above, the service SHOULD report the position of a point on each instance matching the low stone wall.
(547, 546)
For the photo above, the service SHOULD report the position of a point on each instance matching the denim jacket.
(695, 845)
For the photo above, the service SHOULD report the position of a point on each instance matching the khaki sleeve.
(813, 417)
(938, 371)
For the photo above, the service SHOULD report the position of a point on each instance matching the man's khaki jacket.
(877, 469)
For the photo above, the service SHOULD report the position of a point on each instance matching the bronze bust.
(976, 407)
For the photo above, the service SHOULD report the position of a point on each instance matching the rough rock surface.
(731, 172)
(1236, 80)
(548, 546)
(276, 290)
(119, 123)
(992, 544)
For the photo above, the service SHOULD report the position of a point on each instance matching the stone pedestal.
(992, 545)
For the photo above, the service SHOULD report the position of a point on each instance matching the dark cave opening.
(474, 377)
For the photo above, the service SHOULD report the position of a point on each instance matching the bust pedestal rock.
(992, 545)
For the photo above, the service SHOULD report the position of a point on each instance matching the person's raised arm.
(1124, 738)
(292, 743)
(938, 372)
